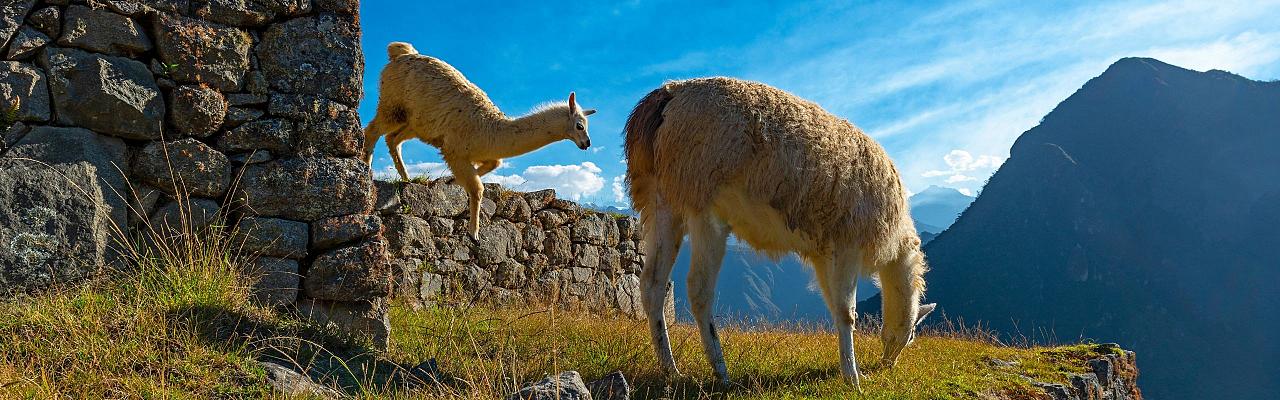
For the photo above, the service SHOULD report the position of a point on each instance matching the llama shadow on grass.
(325, 357)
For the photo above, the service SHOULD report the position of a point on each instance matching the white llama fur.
(710, 157)
(425, 98)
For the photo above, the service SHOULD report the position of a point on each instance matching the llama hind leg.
(838, 277)
(465, 174)
(662, 236)
(371, 134)
(488, 166)
(394, 140)
(707, 236)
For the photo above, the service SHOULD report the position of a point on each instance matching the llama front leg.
(838, 277)
(662, 236)
(465, 174)
(707, 237)
(488, 166)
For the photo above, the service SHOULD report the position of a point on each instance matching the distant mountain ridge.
(1141, 210)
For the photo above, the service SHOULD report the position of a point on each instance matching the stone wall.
(533, 249)
(246, 106)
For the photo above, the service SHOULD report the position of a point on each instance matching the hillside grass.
(183, 330)
(177, 324)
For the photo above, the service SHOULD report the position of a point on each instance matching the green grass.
(177, 325)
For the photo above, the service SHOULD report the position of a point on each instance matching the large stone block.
(364, 319)
(333, 231)
(307, 189)
(499, 241)
(275, 280)
(318, 55)
(274, 237)
(203, 52)
(111, 95)
(47, 20)
(248, 12)
(102, 31)
(275, 135)
(24, 85)
(184, 166)
(196, 111)
(57, 221)
(26, 43)
(193, 216)
(436, 199)
(11, 15)
(341, 136)
(350, 273)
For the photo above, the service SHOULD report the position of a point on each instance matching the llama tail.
(641, 132)
(397, 49)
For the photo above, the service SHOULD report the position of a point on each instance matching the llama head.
(578, 123)
(897, 335)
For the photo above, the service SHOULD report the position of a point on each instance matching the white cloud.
(965, 191)
(570, 181)
(620, 190)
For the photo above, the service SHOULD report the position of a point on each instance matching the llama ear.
(589, 112)
(573, 103)
(924, 312)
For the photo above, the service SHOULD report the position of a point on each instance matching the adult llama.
(425, 98)
(714, 156)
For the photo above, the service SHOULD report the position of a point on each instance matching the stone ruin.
(122, 109)
(534, 249)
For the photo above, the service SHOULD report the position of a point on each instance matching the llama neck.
(514, 137)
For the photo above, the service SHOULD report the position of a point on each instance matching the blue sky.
(945, 87)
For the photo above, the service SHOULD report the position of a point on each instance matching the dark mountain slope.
(1142, 210)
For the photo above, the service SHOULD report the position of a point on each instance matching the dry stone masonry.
(247, 106)
(535, 249)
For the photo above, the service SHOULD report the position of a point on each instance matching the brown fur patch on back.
(398, 115)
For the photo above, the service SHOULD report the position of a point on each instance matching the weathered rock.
(610, 387)
(586, 256)
(564, 205)
(295, 384)
(499, 242)
(273, 134)
(102, 31)
(540, 199)
(246, 99)
(366, 318)
(131, 7)
(557, 246)
(317, 55)
(514, 208)
(350, 273)
(551, 218)
(11, 15)
(203, 52)
(248, 12)
(388, 199)
(567, 385)
(341, 136)
(627, 295)
(589, 229)
(533, 238)
(272, 237)
(111, 95)
(307, 189)
(26, 43)
(275, 280)
(627, 229)
(253, 157)
(24, 85)
(184, 166)
(47, 20)
(349, 7)
(509, 274)
(304, 107)
(196, 111)
(141, 203)
(185, 217)
(332, 231)
(237, 116)
(437, 199)
(52, 232)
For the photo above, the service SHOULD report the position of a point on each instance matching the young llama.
(713, 156)
(425, 98)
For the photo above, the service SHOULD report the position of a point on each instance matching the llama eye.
(579, 124)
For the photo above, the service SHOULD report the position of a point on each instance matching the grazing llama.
(713, 156)
(425, 98)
